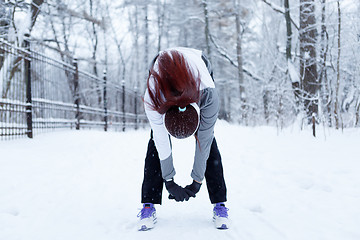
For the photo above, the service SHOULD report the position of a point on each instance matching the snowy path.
(86, 185)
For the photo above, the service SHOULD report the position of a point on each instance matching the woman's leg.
(153, 182)
(214, 175)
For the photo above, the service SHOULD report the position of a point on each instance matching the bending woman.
(181, 101)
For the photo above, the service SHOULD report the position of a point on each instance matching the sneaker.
(147, 217)
(221, 216)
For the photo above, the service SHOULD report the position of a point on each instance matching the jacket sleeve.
(161, 139)
(209, 109)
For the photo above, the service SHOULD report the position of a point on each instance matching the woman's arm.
(209, 109)
(161, 139)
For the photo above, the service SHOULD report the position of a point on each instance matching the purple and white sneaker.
(220, 218)
(147, 217)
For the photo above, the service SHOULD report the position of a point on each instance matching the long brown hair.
(175, 83)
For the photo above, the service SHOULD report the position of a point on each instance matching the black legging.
(153, 182)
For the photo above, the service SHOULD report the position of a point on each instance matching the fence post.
(105, 104)
(77, 94)
(135, 108)
(27, 75)
(123, 103)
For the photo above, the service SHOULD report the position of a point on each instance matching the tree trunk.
(35, 10)
(136, 46)
(4, 28)
(207, 33)
(288, 29)
(95, 42)
(337, 87)
(122, 70)
(323, 80)
(146, 50)
(239, 57)
(160, 22)
(308, 68)
(357, 114)
(294, 82)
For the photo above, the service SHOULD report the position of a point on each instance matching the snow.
(12, 102)
(86, 185)
(293, 72)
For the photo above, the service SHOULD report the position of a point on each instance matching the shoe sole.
(220, 225)
(145, 227)
(223, 227)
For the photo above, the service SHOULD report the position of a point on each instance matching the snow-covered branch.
(279, 10)
(79, 14)
(225, 55)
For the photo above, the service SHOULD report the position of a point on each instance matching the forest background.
(275, 62)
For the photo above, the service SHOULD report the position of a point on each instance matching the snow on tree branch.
(225, 55)
(81, 15)
(279, 10)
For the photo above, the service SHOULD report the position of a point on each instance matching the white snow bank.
(86, 185)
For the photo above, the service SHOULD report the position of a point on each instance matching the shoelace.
(221, 211)
(145, 212)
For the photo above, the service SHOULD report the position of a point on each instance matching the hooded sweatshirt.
(209, 108)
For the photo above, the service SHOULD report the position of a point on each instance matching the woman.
(180, 101)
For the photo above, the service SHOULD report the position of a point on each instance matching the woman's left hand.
(193, 188)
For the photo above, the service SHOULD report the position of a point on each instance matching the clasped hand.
(179, 193)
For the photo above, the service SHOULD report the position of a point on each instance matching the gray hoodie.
(209, 108)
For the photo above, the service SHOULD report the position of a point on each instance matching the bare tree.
(323, 79)
(147, 36)
(136, 35)
(337, 87)
(5, 19)
(308, 67)
(161, 8)
(294, 79)
(239, 57)
(254, 48)
(35, 10)
(121, 70)
(207, 27)
(288, 29)
(25, 28)
(94, 39)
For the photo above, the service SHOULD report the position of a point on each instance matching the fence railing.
(40, 93)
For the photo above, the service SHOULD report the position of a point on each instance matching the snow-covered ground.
(75, 185)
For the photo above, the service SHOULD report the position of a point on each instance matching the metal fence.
(40, 93)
